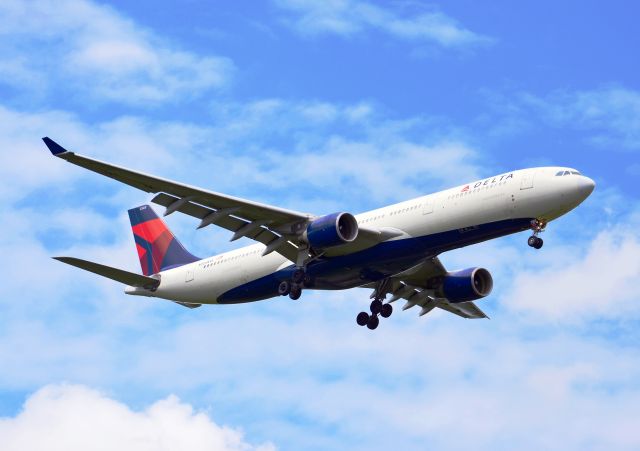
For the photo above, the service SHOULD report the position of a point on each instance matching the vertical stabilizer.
(158, 249)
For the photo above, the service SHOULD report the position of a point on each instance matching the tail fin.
(158, 248)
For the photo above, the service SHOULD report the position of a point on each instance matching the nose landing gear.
(534, 240)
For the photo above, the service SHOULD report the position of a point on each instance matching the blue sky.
(320, 107)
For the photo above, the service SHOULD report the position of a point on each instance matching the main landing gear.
(293, 288)
(378, 308)
(534, 240)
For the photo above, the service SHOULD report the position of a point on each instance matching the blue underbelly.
(375, 263)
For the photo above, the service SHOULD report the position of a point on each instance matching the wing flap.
(465, 309)
(119, 275)
(411, 285)
(229, 222)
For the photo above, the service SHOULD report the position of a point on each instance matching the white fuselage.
(536, 193)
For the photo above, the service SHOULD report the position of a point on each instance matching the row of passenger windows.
(211, 263)
(475, 190)
(373, 218)
(563, 173)
(393, 213)
(404, 210)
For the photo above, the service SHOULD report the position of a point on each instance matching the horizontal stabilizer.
(126, 277)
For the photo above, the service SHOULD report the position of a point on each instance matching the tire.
(373, 322)
(376, 306)
(386, 311)
(362, 319)
(539, 243)
(295, 292)
(297, 276)
(284, 288)
(532, 240)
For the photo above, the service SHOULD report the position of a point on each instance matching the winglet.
(53, 146)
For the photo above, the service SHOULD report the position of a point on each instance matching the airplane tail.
(158, 249)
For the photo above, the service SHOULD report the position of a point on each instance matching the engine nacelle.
(467, 284)
(331, 230)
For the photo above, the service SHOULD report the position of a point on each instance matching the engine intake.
(467, 284)
(331, 230)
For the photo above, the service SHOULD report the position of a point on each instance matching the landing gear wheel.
(284, 288)
(376, 306)
(386, 311)
(362, 319)
(373, 322)
(535, 242)
(538, 244)
(295, 292)
(297, 276)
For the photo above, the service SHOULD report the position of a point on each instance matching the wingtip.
(54, 147)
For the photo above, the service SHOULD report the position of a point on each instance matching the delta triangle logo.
(465, 189)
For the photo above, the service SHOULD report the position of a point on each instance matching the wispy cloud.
(51, 417)
(612, 114)
(83, 49)
(585, 286)
(349, 17)
(609, 116)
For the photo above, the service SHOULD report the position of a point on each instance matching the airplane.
(392, 250)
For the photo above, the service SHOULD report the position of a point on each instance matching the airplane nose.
(586, 186)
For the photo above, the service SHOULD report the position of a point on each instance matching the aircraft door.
(427, 207)
(189, 276)
(527, 180)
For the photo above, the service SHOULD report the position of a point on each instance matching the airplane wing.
(412, 285)
(277, 228)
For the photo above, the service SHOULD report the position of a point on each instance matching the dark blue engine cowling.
(332, 230)
(467, 284)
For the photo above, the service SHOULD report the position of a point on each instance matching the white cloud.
(317, 381)
(348, 17)
(84, 49)
(599, 283)
(71, 417)
(609, 116)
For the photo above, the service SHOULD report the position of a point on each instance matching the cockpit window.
(563, 173)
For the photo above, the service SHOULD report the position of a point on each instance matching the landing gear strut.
(534, 240)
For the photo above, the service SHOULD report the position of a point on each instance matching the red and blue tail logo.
(157, 247)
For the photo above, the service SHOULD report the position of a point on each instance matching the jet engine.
(467, 284)
(331, 230)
